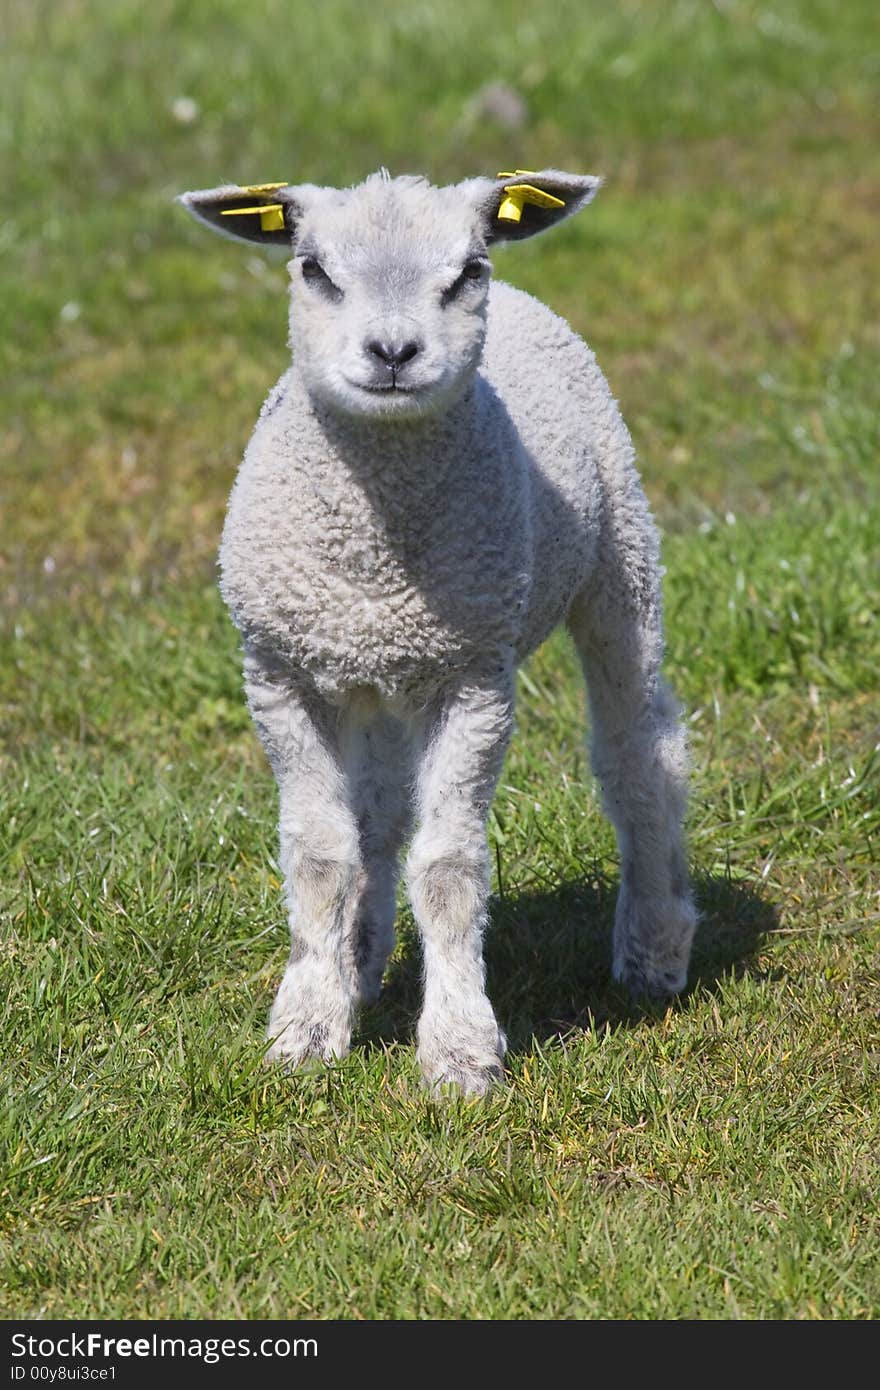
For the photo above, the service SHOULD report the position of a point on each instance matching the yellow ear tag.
(271, 216)
(518, 194)
(262, 187)
(510, 210)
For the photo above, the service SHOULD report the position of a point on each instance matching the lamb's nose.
(394, 355)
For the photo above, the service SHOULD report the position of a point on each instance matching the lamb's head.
(389, 279)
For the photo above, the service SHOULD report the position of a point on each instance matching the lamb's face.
(389, 279)
(389, 283)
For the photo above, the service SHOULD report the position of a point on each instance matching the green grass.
(714, 1160)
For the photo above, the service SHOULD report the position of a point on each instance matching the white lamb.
(440, 478)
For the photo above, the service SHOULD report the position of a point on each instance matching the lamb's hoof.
(309, 1022)
(299, 1045)
(652, 945)
(469, 1065)
(649, 981)
(371, 957)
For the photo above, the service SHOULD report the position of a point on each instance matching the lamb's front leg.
(448, 874)
(314, 1008)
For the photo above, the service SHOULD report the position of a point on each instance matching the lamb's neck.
(414, 454)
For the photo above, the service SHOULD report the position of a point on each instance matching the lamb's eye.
(314, 272)
(471, 270)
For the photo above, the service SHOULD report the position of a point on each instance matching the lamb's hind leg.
(320, 856)
(380, 761)
(639, 752)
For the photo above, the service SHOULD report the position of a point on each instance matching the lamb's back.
(575, 439)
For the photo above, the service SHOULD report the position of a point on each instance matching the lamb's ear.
(522, 203)
(261, 212)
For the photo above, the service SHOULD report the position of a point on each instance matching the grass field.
(718, 1159)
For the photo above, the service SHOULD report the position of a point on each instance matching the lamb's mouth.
(391, 388)
(396, 397)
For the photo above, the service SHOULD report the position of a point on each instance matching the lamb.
(440, 478)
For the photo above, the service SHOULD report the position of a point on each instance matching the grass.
(713, 1160)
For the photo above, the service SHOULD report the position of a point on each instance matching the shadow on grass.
(548, 958)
